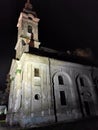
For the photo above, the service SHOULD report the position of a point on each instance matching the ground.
(85, 124)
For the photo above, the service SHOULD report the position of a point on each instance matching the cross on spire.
(28, 1)
(28, 5)
(29, 8)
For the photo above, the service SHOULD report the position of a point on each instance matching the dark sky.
(64, 24)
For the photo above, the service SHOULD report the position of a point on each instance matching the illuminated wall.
(45, 90)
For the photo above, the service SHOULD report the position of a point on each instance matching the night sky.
(64, 25)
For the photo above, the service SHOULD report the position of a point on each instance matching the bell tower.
(27, 30)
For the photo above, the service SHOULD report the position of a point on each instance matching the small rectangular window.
(81, 82)
(63, 98)
(29, 29)
(87, 109)
(36, 72)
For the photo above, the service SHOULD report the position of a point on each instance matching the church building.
(47, 86)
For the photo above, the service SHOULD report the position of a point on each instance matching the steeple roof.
(29, 8)
(28, 5)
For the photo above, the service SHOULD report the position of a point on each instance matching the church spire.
(28, 1)
(28, 5)
(29, 8)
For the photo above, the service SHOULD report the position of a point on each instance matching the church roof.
(60, 55)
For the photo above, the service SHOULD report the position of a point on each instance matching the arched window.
(29, 29)
(60, 79)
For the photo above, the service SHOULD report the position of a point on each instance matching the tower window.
(29, 29)
(36, 72)
(23, 43)
(30, 18)
(60, 79)
(63, 98)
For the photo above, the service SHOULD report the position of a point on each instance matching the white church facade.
(44, 87)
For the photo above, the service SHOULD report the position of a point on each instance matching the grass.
(2, 121)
